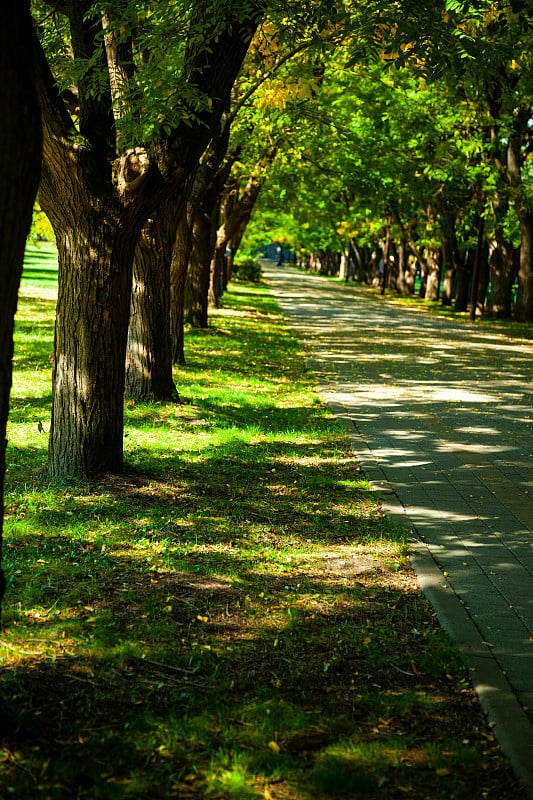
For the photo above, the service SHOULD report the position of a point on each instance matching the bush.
(248, 269)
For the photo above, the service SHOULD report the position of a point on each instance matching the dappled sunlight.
(443, 426)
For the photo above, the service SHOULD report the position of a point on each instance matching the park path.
(440, 416)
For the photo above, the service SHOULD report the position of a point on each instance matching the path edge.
(511, 725)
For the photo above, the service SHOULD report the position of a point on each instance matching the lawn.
(233, 617)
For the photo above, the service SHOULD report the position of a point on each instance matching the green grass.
(233, 617)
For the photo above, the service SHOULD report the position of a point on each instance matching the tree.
(20, 161)
(99, 187)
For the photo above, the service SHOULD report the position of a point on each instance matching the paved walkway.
(440, 415)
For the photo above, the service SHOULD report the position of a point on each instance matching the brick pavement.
(440, 415)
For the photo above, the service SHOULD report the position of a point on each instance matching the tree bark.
(178, 276)
(476, 272)
(149, 350)
(502, 275)
(20, 162)
(452, 260)
(241, 210)
(524, 299)
(449, 273)
(95, 260)
(434, 269)
(197, 286)
(464, 274)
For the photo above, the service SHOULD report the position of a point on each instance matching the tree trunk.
(405, 282)
(423, 278)
(95, 275)
(234, 244)
(502, 275)
(20, 162)
(464, 274)
(178, 277)
(149, 349)
(476, 273)
(385, 276)
(452, 262)
(434, 269)
(235, 212)
(524, 299)
(215, 275)
(343, 268)
(197, 286)
(394, 268)
(484, 277)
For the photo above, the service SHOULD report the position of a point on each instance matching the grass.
(232, 617)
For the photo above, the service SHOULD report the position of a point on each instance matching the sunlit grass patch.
(233, 617)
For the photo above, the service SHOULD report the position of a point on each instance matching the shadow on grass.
(192, 686)
(42, 275)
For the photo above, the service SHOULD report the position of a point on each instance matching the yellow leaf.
(167, 609)
(274, 746)
(91, 619)
(202, 619)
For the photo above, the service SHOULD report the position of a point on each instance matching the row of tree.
(151, 127)
(421, 169)
(136, 120)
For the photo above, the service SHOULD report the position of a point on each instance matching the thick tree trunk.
(197, 286)
(215, 275)
(95, 272)
(178, 277)
(359, 269)
(484, 278)
(394, 268)
(434, 269)
(476, 272)
(343, 268)
(524, 298)
(464, 274)
(452, 262)
(423, 278)
(447, 283)
(405, 282)
(234, 244)
(149, 349)
(502, 275)
(20, 162)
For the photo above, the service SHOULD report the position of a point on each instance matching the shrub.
(248, 269)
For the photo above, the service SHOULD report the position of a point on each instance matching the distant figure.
(279, 251)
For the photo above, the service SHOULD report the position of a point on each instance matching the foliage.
(247, 269)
